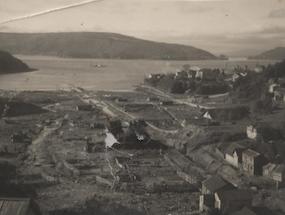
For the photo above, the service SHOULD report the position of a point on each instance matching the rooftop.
(14, 206)
(235, 195)
(215, 183)
(251, 153)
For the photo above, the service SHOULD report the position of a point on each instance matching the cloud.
(53, 10)
(280, 13)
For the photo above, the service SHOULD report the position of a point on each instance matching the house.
(244, 211)
(18, 206)
(253, 211)
(278, 173)
(215, 184)
(85, 107)
(258, 69)
(267, 170)
(237, 75)
(110, 140)
(279, 95)
(207, 74)
(232, 200)
(273, 87)
(233, 154)
(206, 202)
(207, 115)
(153, 99)
(263, 131)
(252, 162)
(251, 132)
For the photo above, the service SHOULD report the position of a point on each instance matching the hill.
(10, 64)
(273, 54)
(97, 45)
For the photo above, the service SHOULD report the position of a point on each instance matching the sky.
(231, 27)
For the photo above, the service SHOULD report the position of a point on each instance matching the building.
(251, 132)
(263, 131)
(253, 211)
(273, 87)
(244, 211)
(207, 74)
(252, 162)
(278, 173)
(232, 200)
(207, 115)
(206, 202)
(279, 96)
(85, 107)
(237, 75)
(267, 170)
(215, 184)
(18, 206)
(233, 154)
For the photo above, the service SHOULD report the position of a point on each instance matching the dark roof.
(244, 211)
(215, 183)
(235, 195)
(251, 153)
(233, 147)
(254, 211)
(14, 206)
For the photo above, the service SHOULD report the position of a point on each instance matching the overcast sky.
(235, 27)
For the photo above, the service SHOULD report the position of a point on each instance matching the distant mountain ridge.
(97, 45)
(10, 64)
(273, 54)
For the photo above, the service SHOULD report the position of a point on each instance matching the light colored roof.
(110, 140)
(280, 168)
(195, 68)
(269, 166)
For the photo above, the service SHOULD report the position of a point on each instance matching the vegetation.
(97, 45)
(10, 64)
(276, 54)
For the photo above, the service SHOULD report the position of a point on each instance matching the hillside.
(97, 45)
(274, 54)
(10, 64)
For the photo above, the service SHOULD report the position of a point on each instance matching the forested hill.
(273, 54)
(97, 45)
(10, 64)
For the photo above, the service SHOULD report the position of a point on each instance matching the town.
(204, 141)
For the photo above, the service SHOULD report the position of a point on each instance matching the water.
(62, 73)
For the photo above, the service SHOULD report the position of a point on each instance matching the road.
(110, 110)
(158, 92)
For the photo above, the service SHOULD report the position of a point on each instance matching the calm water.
(61, 73)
